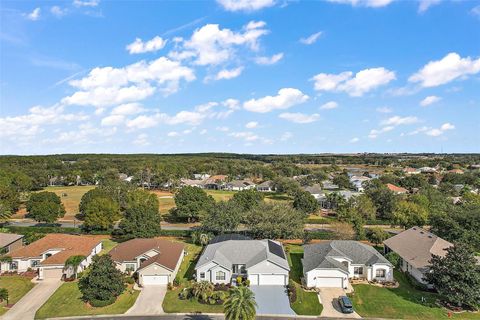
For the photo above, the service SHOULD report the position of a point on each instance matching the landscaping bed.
(17, 287)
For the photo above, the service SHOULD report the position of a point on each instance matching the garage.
(253, 279)
(330, 282)
(56, 273)
(272, 279)
(154, 280)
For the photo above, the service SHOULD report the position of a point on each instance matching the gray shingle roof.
(248, 252)
(320, 255)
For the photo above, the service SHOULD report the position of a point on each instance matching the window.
(13, 265)
(220, 275)
(202, 275)
(358, 270)
(34, 263)
(380, 273)
(130, 267)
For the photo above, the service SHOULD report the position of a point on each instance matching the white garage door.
(272, 279)
(253, 279)
(154, 280)
(52, 273)
(330, 282)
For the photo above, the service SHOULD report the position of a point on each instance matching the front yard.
(17, 287)
(404, 302)
(67, 301)
(307, 302)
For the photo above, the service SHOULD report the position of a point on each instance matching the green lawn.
(107, 245)
(17, 287)
(404, 302)
(171, 303)
(307, 302)
(66, 302)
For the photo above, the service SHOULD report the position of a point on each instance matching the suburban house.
(156, 261)
(239, 185)
(328, 185)
(262, 262)
(427, 170)
(358, 182)
(192, 183)
(315, 190)
(215, 182)
(456, 171)
(415, 247)
(409, 171)
(333, 263)
(200, 176)
(49, 254)
(395, 189)
(266, 186)
(10, 242)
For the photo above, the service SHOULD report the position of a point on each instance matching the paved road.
(26, 308)
(149, 301)
(331, 308)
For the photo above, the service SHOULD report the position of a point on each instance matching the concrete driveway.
(149, 301)
(26, 307)
(272, 300)
(328, 298)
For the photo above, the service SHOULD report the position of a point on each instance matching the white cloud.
(443, 71)
(354, 140)
(251, 125)
(173, 134)
(447, 126)
(203, 131)
(113, 120)
(285, 98)
(269, 60)
(128, 109)
(34, 15)
(311, 39)
(329, 105)
(476, 11)
(210, 45)
(384, 110)
(222, 129)
(245, 5)
(143, 122)
(86, 3)
(365, 3)
(364, 81)
(138, 46)
(226, 74)
(433, 132)
(429, 100)
(245, 135)
(109, 86)
(286, 136)
(426, 4)
(299, 117)
(397, 120)
(58, 11)
(141, 140)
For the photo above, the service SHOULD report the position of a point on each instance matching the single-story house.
(358, 182)
(409, 171)
(332, 263)
(192, 183)
(262, 262)
(156, 261)
(395, 189)
(10, 242)
(456, 171)
(49, 254)
(415, 247)
(239, 185)
(315, 190)
(328, 185)
(266, 186)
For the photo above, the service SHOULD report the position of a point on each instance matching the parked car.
(345, 304)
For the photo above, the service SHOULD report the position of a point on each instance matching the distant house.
(395, 189)
(266, 186)
(200, 176)
(358, 182)
(192, 183)
(49, 254)
(409, 171)
(10, 242)
(328, 185)
(415, 247)
(215, 182)
(427, 170)
(456, 171)
(239, 185)
(333, 263)
(347, 194)
(263, 262)
(156, 261)
(315, 190)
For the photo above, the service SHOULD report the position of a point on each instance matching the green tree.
(286, 185)
(305, 202)
(365, 207)
(456, 276)
(103, 281)
(74, 262)
(142, 219)
(89, 196)
(382, 197)
(342, 181)
(240, 305)
(335, 200)
(100, 213)
(246, 200)
(275, 221)
(408, 214)
(9, 202)
(222, 217)
(376, 235)
(192, 203)
(45, 206)
(394, 258)
(4, 295)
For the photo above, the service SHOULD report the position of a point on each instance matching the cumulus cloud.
(109, 86)
(298, 117)
(245, 135)
(445, 70)
(138, 46)
(141, 140)
(285, 98)
(245, 5)
(426, 4)
(354, 140)
(439, 131)
(397, 120)
(329, 105)
(34, 15)
(226, 74)
(113, 120)
(429, 100)
(365, 3)
(128, 109)
(86, 3)
(210, 45)
(58, 11)
(311, 39)
(475, 11)
(251, 125)
(384, 110)
(355, 85)
(269, 60)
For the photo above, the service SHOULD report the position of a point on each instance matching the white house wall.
(266, 267)
(210, 270)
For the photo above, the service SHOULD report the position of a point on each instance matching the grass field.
(107, 245)
(67, 302)
(17, 287)
(404, 302)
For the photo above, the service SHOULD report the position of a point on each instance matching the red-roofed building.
(395, 189)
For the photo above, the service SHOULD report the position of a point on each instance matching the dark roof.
(276, 249)
(230, 236)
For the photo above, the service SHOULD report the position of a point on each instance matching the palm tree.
(4, 295)
(240, 305)
(74, 262)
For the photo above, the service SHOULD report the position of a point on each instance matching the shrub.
(129, 280)
(102, 303)
(176, 283)
(185, 294)
(292, 291)
(394, 258)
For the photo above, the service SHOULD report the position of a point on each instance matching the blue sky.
(249, 76)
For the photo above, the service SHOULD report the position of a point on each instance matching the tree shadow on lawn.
(296, 271)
